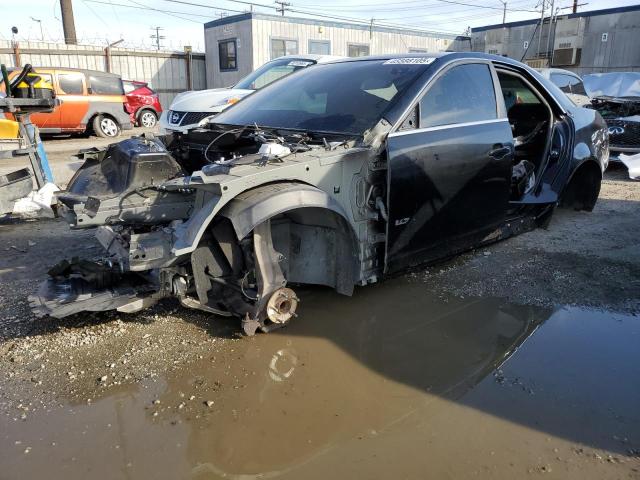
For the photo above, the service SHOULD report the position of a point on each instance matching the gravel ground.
(589, 259)
(582, 259)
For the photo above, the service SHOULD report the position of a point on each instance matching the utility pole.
(283, 6)
(68, 25)
(575, 6)
(549, 33)
(542, 9)
(504, 12)
(157, 36)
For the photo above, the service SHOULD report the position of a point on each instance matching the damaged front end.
(622, 115)
(197, 217)
(119, 190)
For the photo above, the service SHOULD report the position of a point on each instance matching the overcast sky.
(103, 21)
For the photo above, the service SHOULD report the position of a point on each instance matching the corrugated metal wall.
(606, 41)
(165, 71)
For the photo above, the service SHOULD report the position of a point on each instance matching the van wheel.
(148, 119)
(104, 126)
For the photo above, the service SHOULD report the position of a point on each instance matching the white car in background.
(570, 83)
(192, 109)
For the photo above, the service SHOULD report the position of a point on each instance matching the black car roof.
(452, 55)
(558, 97)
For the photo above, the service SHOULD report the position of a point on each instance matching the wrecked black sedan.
(340, 175)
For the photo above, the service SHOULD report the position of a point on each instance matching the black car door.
(448, 179)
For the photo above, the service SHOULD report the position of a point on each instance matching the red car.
(143, 103)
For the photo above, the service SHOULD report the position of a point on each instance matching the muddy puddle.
(391, 383)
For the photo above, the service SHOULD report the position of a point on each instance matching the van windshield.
(346, 97)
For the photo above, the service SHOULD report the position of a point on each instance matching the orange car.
(92, 101)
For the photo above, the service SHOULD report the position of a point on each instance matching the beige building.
(238, 44)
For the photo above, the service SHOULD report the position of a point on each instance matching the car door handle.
(499, 152)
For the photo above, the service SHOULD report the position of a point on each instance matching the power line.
(145, 7)
(419, 6)
(313, 14)
(166, 13)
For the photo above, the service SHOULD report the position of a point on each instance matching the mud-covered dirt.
(520, 359)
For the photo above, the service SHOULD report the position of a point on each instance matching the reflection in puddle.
(391, 368)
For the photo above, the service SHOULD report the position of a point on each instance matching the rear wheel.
(106, 127)
(148, 119)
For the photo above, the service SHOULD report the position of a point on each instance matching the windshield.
(270, 72)
(347, 97)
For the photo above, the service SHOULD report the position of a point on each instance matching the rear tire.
(147, 119)
(106, 127)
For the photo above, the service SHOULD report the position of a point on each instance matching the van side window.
(106, 85)
(71, 83)
(463, 94)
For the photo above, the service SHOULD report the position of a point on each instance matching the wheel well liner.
(253, 207)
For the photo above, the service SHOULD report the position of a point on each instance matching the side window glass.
(516, 92)
(71, 83)
(411, 122)
(562, 81)
(577, 87)
(463, 94)
(106, 85)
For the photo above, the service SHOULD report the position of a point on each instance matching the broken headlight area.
(123, 184)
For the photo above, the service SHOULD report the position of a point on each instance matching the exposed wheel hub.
(282, 305)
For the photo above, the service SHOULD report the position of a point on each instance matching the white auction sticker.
(410, 61)
(299, 63)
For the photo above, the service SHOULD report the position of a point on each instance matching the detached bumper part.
(82, 285)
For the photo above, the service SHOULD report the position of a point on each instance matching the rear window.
(105, 85)
(128, 87)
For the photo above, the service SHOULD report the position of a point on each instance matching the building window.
(418, 50)
(227, 50)
(493, 51)
(357, 50)
(281, 47)
(320, 47)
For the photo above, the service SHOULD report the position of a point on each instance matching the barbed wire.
(93, 41)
